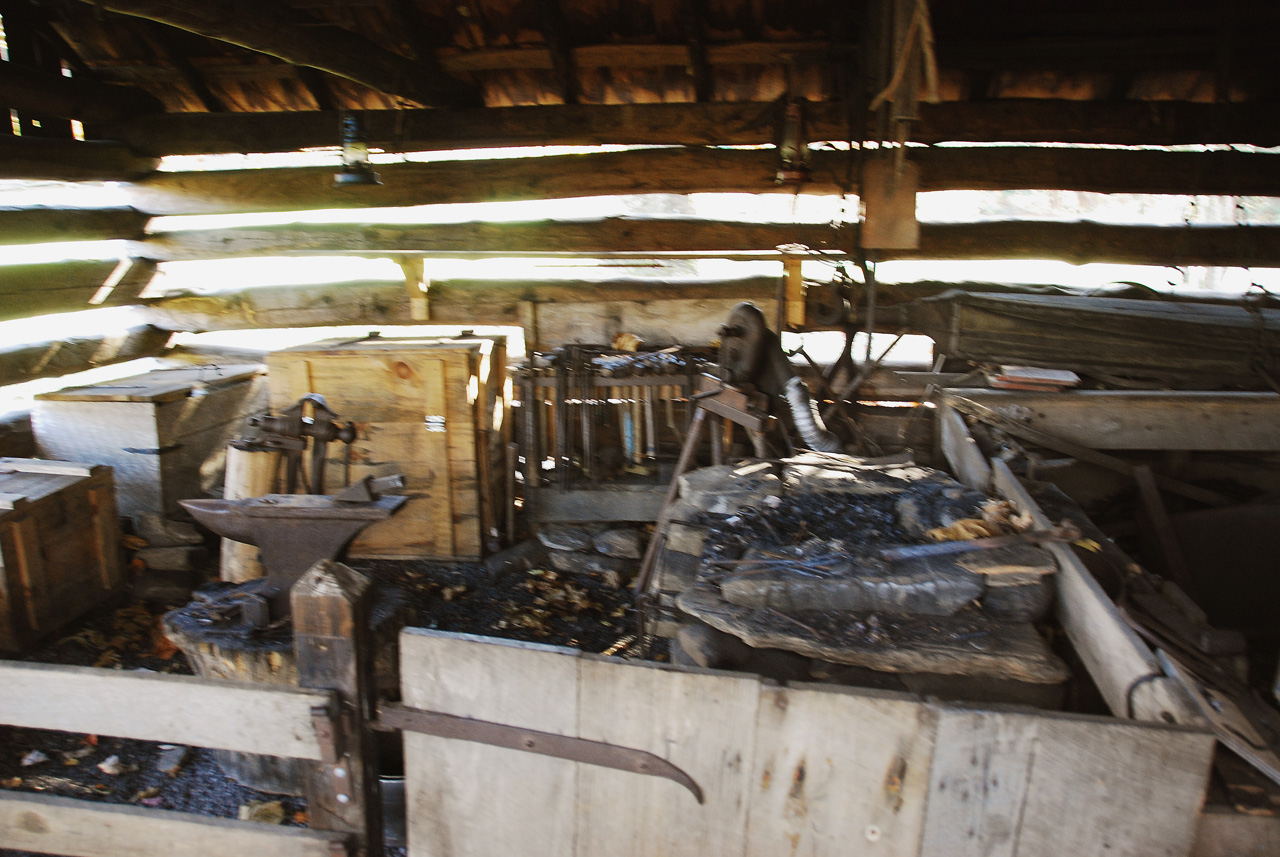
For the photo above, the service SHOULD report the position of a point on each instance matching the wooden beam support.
(30, 290)
(693, 14)
(1079, 243)
(452, 301)
(275, 29)
(702, 170)
(1164, 123)
(19, 363)
(44, 225)
(70, 160)
(29, 90)
(1141, 419)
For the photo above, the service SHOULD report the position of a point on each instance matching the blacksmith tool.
(292, 531)
(292, 428)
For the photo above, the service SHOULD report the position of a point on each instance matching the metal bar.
(1034, 537)
(394, 716)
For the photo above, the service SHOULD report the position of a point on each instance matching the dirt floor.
(578, 610)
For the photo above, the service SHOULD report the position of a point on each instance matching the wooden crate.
(165, 432)
(435, 410)
(59, 551)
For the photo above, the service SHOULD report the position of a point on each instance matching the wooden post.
(251, 472)
(331, 637)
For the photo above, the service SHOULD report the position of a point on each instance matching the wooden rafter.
(275, 29)
(40, 225)
(555, 30)
(161, 39)
(743, 123)
(70, 160)
(704, 170)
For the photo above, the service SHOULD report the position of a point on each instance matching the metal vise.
(290, 431)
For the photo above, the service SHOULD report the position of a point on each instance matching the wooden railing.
(320, 723)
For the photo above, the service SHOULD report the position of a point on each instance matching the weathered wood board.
(78, 828)
(164, 432)
(167, 708)
(1142, 419)
(808, 770)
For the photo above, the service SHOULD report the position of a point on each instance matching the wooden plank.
(30, 90)
(163, 385)
(1142, 419)
(31, 290)
(727, 123)
(707, 170)
(1223, 832)
(79, 828)
(166, 708)
(701, 721)
(838, 771)
(967, 461)
(50, 468)
(529, 801)
(1007, 783)
(1126, 672)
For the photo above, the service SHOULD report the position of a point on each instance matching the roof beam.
(34, 91)
(19, 363)
(275, 29)
(44, 225)
(1070, 242)
(743, 123)
(70, 160)
(695, 170)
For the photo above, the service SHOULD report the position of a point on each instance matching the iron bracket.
(394, 716)
(331, 734)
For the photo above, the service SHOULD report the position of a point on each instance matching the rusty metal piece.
(394, 716)
(290, 430)
(292, 531)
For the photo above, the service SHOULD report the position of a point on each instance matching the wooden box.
(435, 410)
(165, 432)
(58, 545)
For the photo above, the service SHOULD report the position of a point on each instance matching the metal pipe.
(804, 411)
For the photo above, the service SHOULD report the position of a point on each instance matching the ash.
(829, 523)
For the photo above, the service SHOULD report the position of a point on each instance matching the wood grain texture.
(77, 828)
(160, 708)
(1142, 419)
(838, 770)
(530, 800)
(1009, 783)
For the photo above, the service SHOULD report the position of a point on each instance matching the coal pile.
(819, 523)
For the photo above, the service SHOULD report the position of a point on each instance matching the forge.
(876, 565)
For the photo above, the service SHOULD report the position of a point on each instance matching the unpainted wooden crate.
(435, 410)
(164, 432)
(59, 538)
